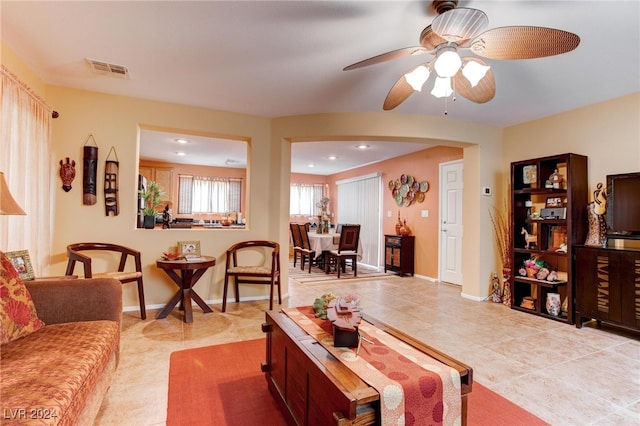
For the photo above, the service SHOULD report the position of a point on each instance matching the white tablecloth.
(326, 242)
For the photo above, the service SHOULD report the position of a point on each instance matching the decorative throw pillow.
(18, 316)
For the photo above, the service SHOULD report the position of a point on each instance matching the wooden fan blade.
(459, 25)
(523, 42)
(398, 93)
(483, 92)
(389, 56)
(430, 40)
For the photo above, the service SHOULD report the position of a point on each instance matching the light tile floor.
(564, 375)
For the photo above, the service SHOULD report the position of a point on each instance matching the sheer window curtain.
(303, 198)
(25, 135)
(360, 202)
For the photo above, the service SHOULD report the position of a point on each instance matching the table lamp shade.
(8, 206)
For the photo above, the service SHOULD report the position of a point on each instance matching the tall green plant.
(152, 196)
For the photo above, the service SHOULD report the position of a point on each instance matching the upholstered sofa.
(59, 368)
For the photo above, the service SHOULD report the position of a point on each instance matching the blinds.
(360, 202)
(303, 198)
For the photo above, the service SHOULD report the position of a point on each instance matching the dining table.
(321, 243)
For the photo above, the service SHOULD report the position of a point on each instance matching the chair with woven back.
(305, 250)
(252, 262)
(297, 242)
(347, 250)
(74, 255)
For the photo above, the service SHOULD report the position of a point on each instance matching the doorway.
(450, 235)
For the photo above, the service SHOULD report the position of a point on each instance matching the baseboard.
(208, 302)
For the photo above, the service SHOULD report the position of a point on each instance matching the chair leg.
(237, 289)
(354, 264)
(143, 310)
(279, 293)
(224, 292)
(271, 295)
(302, 259)
(338, 265)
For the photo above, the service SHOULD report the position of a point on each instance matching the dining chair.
(305, 250)
(74, 254)
(297, 242)
(249, 262)
(347, 250)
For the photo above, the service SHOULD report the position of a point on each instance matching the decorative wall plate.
(407, 190)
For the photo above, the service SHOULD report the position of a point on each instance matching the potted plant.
(152, 196)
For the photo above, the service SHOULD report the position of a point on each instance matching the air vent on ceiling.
(104, 68)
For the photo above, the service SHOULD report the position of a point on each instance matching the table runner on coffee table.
(412, 385)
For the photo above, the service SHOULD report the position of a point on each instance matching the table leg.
(186, 280)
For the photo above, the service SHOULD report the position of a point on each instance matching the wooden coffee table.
(313, 387)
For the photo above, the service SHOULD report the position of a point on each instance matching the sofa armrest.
(70, 300)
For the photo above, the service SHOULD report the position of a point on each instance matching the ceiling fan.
(461, 29)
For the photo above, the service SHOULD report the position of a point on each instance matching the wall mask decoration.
(89, 172)
(67, 173)
(111, 168)
(407, 190)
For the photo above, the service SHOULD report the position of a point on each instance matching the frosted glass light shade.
(448, 62)
(474, 72)
(417, 77)
(442, 87)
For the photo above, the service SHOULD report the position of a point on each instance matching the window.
(206, 194)
(303, 198)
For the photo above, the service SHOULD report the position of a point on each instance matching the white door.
(451, 222)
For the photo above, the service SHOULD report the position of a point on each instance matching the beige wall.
(607, 133)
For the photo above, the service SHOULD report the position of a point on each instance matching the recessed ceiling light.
(182, 141)
(312, 165)
(181, 153)
(333, 157)
(362, 146)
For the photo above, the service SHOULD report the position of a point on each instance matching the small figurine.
(166, 217)
(556, 179)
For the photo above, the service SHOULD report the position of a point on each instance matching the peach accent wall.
(423, 165)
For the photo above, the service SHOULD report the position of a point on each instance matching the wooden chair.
(347, 250)
(305, 250)
(74, 255)
(297, 242)
(244, 271)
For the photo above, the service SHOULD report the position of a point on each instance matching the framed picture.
(529, 174)
(189, 248)
(554, 202)
(22, 262)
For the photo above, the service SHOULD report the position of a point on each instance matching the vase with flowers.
(324, 222)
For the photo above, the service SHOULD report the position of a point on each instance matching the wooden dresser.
(314, 388)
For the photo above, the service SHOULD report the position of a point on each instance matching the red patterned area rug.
(223, 385)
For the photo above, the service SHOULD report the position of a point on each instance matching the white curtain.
(25, 135)
(360, 202)
(304, 197)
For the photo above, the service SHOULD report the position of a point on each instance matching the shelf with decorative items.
(548, 217)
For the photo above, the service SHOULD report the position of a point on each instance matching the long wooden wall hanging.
(89, 172)
(111, 169)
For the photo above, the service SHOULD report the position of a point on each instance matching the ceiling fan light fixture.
(474, 72)
(448, 61)
(417, 77)
(442, 87)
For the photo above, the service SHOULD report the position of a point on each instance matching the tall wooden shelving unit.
(528, 197)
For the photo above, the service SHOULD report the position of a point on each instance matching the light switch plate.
(424, 213)
(486, 190)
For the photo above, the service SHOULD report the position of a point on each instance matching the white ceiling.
(281, 58)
